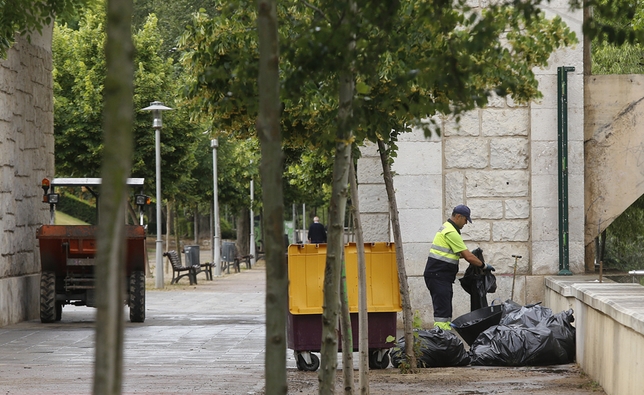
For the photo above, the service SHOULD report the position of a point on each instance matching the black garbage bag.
(504, 345)
(564, 333)
(471, 324)
(438, 348)
(478, 283)
(528, 316)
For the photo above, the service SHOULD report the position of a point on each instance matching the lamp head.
(156, 107)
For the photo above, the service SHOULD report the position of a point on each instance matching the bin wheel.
(47, 297)
(302, 365)
(378, 359)
(137, 296)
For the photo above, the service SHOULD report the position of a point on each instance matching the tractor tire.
(47, 297)
(59, 311)
(137, 296)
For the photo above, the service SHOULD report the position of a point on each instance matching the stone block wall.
(26, 157)
(502, 161)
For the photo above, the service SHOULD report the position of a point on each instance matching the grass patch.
(65, 219)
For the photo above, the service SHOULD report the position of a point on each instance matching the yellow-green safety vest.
(440, 249)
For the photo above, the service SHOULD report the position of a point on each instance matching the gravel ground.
(547, 380)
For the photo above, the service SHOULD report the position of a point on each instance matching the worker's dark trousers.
(440, 287)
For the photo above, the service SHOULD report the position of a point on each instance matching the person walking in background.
(442, 264)
(317, 233)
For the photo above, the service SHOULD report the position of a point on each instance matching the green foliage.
(624, 239)
(173, 17)
(413, 60)
(613, 59)
(237, 162)
(614, 21)
(26, 17)
(78, 208)
(65, 219)
(447, 60)
(79, 75)
(439, 59)
(227, 231)
(308, 176)
(611, 55)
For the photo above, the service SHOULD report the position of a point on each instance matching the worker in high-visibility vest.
(442, 264)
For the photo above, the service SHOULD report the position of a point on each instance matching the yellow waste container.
(306, 264)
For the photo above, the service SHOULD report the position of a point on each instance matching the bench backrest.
(173, 256)
(228, 252)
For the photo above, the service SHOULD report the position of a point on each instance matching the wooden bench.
(230, 257)
(206, 268)
(178, 269)
(193, 259)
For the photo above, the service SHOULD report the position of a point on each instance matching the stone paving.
(204, 339)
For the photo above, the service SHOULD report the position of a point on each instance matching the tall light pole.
(252, 221)
(216, 245)
(157, 107)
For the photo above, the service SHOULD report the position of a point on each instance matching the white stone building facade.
(501, 161)
(26, 157)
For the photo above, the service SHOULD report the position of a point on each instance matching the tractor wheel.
(137, 296)
(47, 297)
(59, 311)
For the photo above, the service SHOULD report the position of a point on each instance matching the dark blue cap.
(463, 210)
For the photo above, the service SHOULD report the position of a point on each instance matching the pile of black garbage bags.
(528, 335)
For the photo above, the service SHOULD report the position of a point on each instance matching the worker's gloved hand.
(487, 266)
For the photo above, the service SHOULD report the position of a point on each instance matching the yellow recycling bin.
(306, 264)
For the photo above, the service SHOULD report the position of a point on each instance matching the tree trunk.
(363, 323)
(134, 214)
(335, 246)
(196, 224)
(174, 229)
(271, 168)
(347, 335)
(243, 231)
(116, 167)
(400, 257)
(168, 223)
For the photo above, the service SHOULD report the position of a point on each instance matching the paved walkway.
(209, 339)
(204, 339)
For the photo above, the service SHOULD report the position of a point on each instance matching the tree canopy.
(79, 77)
(613, 57)
(441, 58)
(27, 17)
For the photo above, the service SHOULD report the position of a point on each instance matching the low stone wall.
(19, 299)
(609, 318)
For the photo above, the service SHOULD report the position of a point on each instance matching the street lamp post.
(252, 223)
(157, 107)
(216, 246)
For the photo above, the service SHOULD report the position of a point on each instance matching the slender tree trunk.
(117, 164)
(196, 224)
(271, 167)
(172, 208)
(243, 231)
(168, 226)
(400, 257)
(363, 317)
(134, 214)
(335, 246)
(347, 334)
